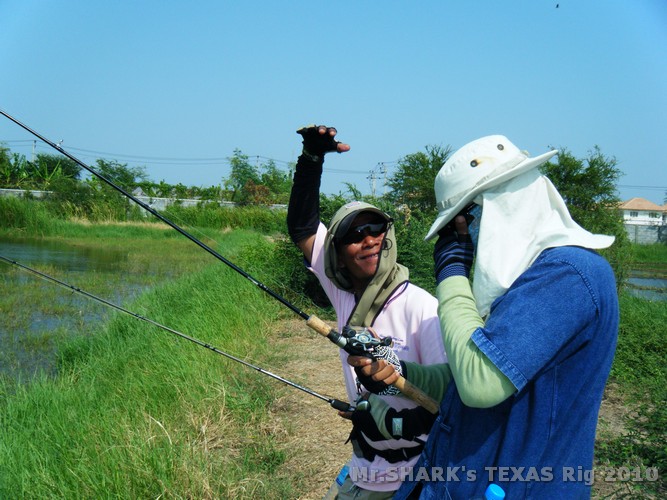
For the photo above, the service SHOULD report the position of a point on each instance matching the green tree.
(14, 170)
(181, 191)
(46, 165)
(119, 173)
(241, 173)
(5, 165)
(258, 184)
(210, 193)
(588, 187)
(164, 190)
(106, 202)
(8, 170)
(278, 182)
(149, 188)
(412, 184)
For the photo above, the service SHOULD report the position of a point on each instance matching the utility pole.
(383, 171)
(371, 177)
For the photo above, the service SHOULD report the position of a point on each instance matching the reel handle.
(408, 389)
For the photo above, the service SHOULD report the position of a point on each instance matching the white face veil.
(521, 218)
(522, 212)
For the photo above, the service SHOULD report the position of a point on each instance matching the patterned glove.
(379, 387)
(382, 422)
(315, 144)
(453, 254)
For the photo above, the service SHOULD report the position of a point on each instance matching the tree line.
(588, 186)
(258, 184)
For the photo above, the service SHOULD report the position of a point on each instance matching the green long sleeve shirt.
(479, 382)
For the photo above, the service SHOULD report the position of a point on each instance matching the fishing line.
(360, 345)
(335, 403)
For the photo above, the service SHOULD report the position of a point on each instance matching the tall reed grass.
(27, 216)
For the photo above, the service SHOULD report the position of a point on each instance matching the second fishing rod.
(355, 343)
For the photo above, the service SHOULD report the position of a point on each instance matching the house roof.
(641, 204)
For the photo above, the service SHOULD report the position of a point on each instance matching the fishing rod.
(335, 403)
(354, 343)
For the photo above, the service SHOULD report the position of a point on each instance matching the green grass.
(640, 370)
(136, 412)
(656, 253)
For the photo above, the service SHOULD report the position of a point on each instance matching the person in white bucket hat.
(522, 213)
(529, 346)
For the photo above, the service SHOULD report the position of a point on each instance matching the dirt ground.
(314, 435)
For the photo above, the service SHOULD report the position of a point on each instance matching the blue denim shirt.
(553, 334)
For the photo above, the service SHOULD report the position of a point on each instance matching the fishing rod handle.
(411, 391)
(318, 325)
(326, 331)
(408, 389)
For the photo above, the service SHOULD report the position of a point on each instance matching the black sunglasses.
(358, 233)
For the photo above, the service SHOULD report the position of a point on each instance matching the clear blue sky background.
(178, 86)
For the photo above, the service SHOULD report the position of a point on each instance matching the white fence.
(151, 201)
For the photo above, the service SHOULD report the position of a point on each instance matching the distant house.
(643, 212)
(645, 222)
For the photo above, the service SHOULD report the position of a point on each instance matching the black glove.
(303, 212)
(379, 387)
(453, 254)
(316, 144)
(382, 422)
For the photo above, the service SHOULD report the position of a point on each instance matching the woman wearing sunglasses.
(355, 262)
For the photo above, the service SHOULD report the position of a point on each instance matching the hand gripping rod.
(409, 390)
(335, 403)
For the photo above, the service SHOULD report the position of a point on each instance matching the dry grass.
(311, 432)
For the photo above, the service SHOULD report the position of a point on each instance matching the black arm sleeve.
(303, 211)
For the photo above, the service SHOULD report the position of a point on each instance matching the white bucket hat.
(476, 167)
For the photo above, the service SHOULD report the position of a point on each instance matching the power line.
(380, 169)
(177, 161)
(626, 186)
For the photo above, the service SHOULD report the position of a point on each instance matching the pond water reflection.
(639, 285)
(73, 258)
(36, 313)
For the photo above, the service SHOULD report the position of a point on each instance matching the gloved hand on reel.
(379, 421)
(372, 376)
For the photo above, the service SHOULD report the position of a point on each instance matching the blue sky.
(178, 86)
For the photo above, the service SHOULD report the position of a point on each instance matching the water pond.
(37, 313)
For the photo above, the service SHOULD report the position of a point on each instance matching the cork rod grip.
(318, 325)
